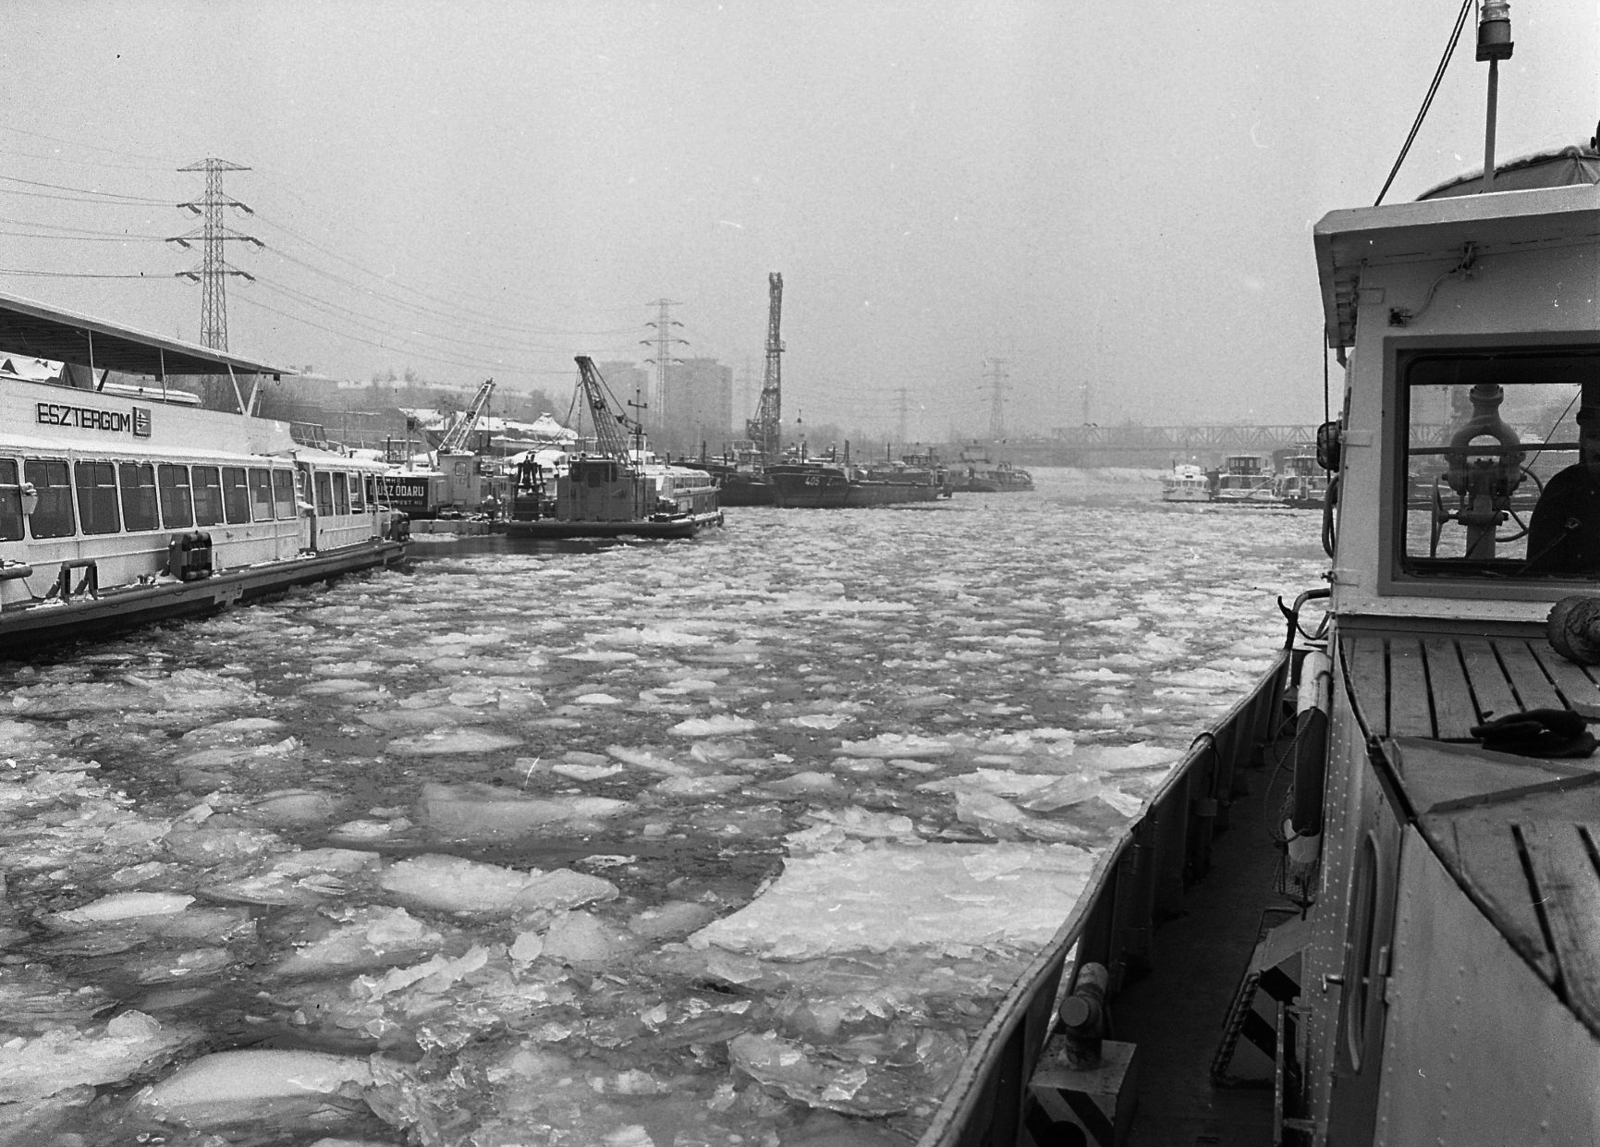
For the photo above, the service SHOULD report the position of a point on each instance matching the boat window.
(1359, 967)
(235, 495)
(324, 486)
(138, 495)
(358, 503)
(10, 501)
(207, 496)
(283, 499)
(52, 517)
(1501, 462)
(341, 493)
(261, 494)
(97, 497)
(177, 503)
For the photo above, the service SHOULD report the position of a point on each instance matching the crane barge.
(614, 491)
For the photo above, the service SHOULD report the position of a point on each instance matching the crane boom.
(766, 428)
(456, 437)
(608, 424)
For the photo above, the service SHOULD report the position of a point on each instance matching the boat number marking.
(88, 418)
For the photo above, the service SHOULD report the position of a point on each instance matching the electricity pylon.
(213, 233)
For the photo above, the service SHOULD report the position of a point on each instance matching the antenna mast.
(213, 233)
(766, 427)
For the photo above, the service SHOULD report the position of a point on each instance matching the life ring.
(1303, 830)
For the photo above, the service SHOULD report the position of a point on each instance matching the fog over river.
(728, 841)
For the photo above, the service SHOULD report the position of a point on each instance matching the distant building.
(699, 404)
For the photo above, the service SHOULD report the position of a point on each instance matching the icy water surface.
(729, 841)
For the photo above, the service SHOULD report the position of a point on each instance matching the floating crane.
(609, 425)
(455, 439)
(766, 429)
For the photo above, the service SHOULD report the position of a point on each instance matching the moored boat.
(617, 492)
(1246, 480)
(1421, 965)
(1301, 483)
(1187, 482)
(819, 484)
(118, 508)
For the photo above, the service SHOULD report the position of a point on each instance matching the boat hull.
(554, 528)
(36, 627)
(746, 490)
(826, 487)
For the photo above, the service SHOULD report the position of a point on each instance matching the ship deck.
(1518, 833)
(1175, 1013)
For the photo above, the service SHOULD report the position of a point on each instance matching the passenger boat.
(1416, 958)
(1186, 483)
(119, 506)
(618, 491)
(1246, 480)
(1301, 483)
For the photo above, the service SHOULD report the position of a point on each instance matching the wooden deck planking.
(1453, 710)
(1410, 713)
(1570, 889)
(1366, 661)
(1487, 855)
(1488, 680)
(1575, 685)
(1528, 678)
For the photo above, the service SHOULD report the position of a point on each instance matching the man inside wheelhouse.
(1501, 458)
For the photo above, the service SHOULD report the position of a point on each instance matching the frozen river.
(729, 841)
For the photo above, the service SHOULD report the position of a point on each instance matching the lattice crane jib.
(456, 438)
(766, 428)
(609, 425)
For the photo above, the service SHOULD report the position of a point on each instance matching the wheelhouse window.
(1500, 463)
(52, 517)
(138, 481)
(97, 496)
(10, 502)
(358, 503)
(177, 500)
(235, 495)
(207, 496)
(283, 500)
(261, 494)
(324, 485)
(341, 493)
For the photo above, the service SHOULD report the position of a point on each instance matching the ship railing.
(1136, 883)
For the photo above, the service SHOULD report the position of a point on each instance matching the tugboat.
(1422, 960)
(123, 502)
(1247, 480)
(1301, 483)
(1186, 483)
(615, 492)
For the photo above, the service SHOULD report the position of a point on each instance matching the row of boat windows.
(134, 496)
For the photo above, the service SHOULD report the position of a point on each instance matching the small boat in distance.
(616, 492)
(119, 507)
(1186, 483)
(834, 483)
(1301, 482)
(1246, 480)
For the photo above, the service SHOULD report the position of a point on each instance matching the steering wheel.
(1441, 515)
(1516, 515)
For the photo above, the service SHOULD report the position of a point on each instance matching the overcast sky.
(1114, 198)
